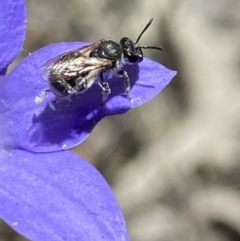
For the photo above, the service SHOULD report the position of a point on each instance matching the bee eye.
(127, 45)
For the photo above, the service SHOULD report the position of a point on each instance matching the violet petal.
(12, 31)
(57, 197)
(39, 128)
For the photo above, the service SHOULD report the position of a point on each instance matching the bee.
(76, 71)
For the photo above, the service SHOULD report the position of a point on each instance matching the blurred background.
(173, 163)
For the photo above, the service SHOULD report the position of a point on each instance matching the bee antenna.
(150, 47)
(146, 27)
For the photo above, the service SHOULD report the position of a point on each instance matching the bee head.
(133, 53)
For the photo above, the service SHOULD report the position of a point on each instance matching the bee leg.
(54, 102)
(127, 85)
(70, 90)
(40, 98)
(105, 87)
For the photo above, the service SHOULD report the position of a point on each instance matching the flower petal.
(39, 128)
(57, 197)
(12, 31)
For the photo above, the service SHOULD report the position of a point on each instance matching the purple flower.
(42, 129)
(47, 193)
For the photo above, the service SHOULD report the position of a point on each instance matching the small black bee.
(76, 71)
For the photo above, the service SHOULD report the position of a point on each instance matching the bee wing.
(81, 73)
(84, 69)
(69, 56)
(80, 66)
